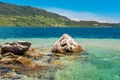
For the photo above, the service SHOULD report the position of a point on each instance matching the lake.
(101, 44)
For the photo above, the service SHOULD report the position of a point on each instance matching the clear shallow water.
(102, 64)
(103, 48)
(103, 59)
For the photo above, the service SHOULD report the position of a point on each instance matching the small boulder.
(18, 48)
(66, 45)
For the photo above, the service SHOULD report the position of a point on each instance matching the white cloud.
(87, 16)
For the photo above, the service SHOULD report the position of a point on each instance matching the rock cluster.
(18, 57)
(66, 44)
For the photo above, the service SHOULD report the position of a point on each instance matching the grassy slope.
(24, 16)
(31, 21)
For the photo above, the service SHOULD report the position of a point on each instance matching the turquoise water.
(102, 64)
(102, 61)
(102, 45)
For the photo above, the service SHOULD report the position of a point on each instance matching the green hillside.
(26, 16)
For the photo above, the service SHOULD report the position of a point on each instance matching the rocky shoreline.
(18, 60)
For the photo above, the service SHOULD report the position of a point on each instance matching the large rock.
(18, 48)
(66, 45)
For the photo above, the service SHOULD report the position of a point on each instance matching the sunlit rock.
(66, 44)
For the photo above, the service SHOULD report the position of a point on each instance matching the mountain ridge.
(27, 16)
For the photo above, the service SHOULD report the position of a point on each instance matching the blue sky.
(99, 10)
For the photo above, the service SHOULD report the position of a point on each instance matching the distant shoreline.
(16, 15)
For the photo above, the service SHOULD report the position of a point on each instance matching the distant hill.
(26, 16)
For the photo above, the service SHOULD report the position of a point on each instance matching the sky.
(96, 10)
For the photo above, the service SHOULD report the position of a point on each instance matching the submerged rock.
(8, 58)
(10, 55)
(18, 48)
(0, 56)
(66, 44)
(34, 54)
(26, 62)
(0, 52)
